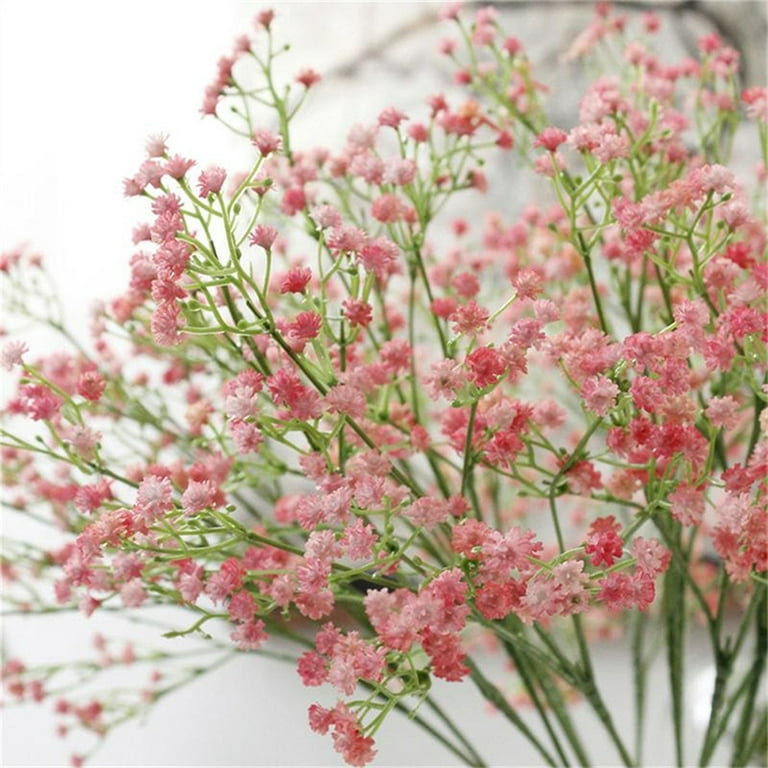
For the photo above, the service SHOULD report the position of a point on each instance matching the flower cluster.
(315, 416)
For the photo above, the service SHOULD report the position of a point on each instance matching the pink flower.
(293, 201)
(266, 142)
(345, 238)
(264, 236)
(154, 498)
(599, 394)
(347, 399)
(687, 504)
(427, 512)
(379, 256)
(652, 558)
(308, 77)
(312, 669)
(470, 318)
(391, 117)
(91, 385)
(132, 593)
(359, 540)
(150, 174)
(359, 313)
(12, 354)
(756, 99)
(211, 181)
(39, 402)
(295, 280)
(166, 325)
(306, 326)
(387, 208)
(241, 606)
(250, 635)
(198, 496)
(551, 138)
(603, 541)
(264, 18)
(176, 167)
(485, 366)
(722, 411)
(155, 145)
(444, 380)
(399, 171)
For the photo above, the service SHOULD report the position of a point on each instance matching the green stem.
(496, 697)
(674, 615)
(477, 760)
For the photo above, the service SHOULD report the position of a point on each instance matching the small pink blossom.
(176, 167)
(12, 354)
(599, 394)
(250, 635)
(198, 496)
(264, 236)
(295, 280)
(266, 142)
(91, 385)
(155, 145)
(132, 593)
(154, 498)
(391, 117)
(308, 77)
(687, 504)
(551, 138)
(722, 411)
(211, 181)
(166, 325)
(603, 541)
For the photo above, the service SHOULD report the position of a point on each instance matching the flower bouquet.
(336, 419)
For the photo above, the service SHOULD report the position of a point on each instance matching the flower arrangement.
(350, 425)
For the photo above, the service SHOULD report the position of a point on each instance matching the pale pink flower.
(379, 256)
(444, 380)
(599, 394)
(82, 439)
(211, 181)
(345, 238)
(166, 325)
(549, 165)
(154, 498)
(391, 117)
(307, 77)
(176, 167)
(469, 319)
(723, 411)
(132, 593)
(399, 171)
(346, 399)
(155, 145)
(250, 635)
(264, 236)
(12, 354)
(687, 504)
(359, 540)
(150, 173)
(652, 558)
(326, 216)
(245, 436)
(198, 495)
(266, 142)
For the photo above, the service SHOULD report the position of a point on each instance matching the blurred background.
(82, 85)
